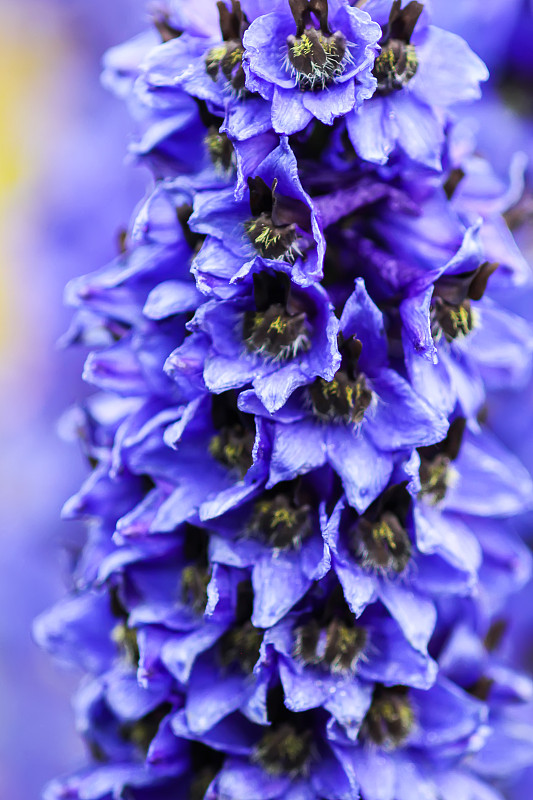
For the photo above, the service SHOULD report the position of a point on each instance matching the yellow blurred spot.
(32, 67)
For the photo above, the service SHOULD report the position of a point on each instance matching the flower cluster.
(298, 551)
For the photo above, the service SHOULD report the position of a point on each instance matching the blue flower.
(420, 71)
(311, 60)
(359, 421)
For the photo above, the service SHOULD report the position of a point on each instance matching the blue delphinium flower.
(311, 60)
(298, 543)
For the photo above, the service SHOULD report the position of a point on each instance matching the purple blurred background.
(64, 194)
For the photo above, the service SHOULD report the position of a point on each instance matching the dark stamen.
(194, 582)
(397, 63)
(273, 237)
(226, 58)
(452, 182)
(205, 764)
(435, 462)
(452, 321)
(126, 640)
(282, 517)
(164, 27)
(286, 748)
(142, 731)
(338, 646)
(390, 718)
(233, 445)
(347, 397)
(220, 150)
(240, 647)
(379, 537)
(452, 314)
(278, 328)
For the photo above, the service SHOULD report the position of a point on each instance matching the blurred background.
(65, 194)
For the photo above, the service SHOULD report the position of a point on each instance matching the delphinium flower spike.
(298, 542)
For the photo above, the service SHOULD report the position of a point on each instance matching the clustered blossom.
(299, 549)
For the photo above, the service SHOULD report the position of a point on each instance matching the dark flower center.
(279, 224)
(142, 731)
(340, 399)
(315, 60)
(382, 545)
(205, 764)
(194, 582)
(275, 332)
(278, 327)
(240, 646)
(220, 150)
(226, 58)
(435, 477)
(395, 66)
(285, 750)
(271, 241)
(397, 63)
(436, 471)
(347, 397)
(196, 576)
(452, 314)
(337, 647)
(126, 640)
(233, 445)
(390, 718)
(451, 320)
(281, 520)
(315, 55)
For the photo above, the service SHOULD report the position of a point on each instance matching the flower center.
(338, 647)
(395, 66)
(347, 397)
(390, 718)
(275, 332)
(194, 582)
(126, 640)
(226, 58)
(340, 399)
(453, 321)
(240, 646)
(142, 731)
(220, 151)
(281, 520)
(278, 327)
(397, 63)
(435, 477)
(383, 545)
(276, 242)
(205, 763)
(284, 750)
(436, 472)
(196, 576)
(233, 445)
(315, 59)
